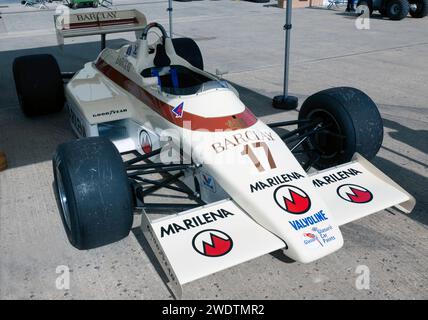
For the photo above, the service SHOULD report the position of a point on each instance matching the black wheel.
(93, 192)
(38, 84)
(189, 51)
(397, 9)
(352, 121)
(419, 8)
(362, 6)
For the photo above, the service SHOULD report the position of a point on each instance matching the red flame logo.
(292, 199)
(218, 245)
(298, 203)
(360, 196)
(146, 144)
(354, 193)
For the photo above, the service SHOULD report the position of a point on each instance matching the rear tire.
(351, 114)
(39, 85)
(188, 49)
(93, 192)
(397, 9)
(421, 9)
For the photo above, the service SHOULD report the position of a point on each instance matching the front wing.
(202, 241)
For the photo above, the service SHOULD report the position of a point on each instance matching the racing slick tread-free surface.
(97, 190)
(189, 50)
(421, 9)
(39, 85)
(356, 115)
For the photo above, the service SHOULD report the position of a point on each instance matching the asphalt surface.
(388, 62)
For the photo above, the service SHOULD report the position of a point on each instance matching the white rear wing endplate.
(98, 23)
(180, 249)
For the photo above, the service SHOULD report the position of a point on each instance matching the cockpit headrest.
(161, 59)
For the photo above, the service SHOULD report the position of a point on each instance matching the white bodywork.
(249, 172)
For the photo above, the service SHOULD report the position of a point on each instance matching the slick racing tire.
(189, 51)
(93, 192)
(397, 9)
(353, 124)
(421, 9)
(39, 85)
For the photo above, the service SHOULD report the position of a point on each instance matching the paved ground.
(388, 62)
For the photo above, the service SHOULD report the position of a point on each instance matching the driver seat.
(161, 60)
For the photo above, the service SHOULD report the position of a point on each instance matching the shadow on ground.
(412, 182)
(417, 139)
(354, 16)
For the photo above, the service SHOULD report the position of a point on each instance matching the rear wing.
(69, 25)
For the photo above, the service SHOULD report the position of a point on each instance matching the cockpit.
(179, 80)
(176, 79)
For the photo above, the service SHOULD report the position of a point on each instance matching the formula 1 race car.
(149, 117)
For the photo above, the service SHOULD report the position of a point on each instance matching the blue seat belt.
(155, 73)
(174, 77)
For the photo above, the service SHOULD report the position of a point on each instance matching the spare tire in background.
(421, 8)
(397, 9)
(189, 50)
(39, 85)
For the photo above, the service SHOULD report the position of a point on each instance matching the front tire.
(39, 85)
(354, 125)
(397, 9)
(93, 192)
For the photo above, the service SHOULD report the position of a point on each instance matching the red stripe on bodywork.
(242, 120)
